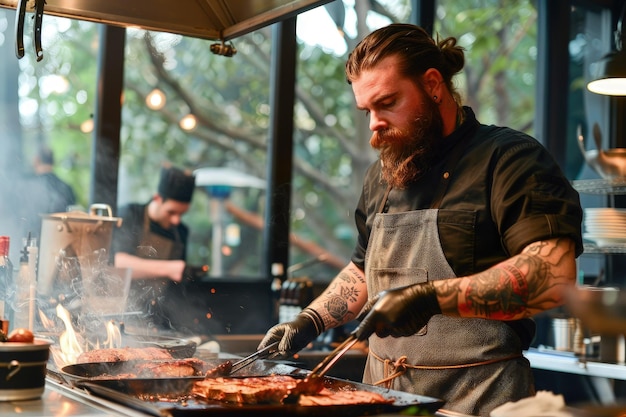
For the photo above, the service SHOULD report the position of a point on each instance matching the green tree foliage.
(57, 95)
(500, 38)
(230, 99)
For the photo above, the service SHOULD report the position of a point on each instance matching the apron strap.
(381, 208)
(146, 223)
(401, 366)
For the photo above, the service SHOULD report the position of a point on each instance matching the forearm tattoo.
(340, 296)
(519, 287)
(499, 293)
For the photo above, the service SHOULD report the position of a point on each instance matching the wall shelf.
(601, 186)
(604, 250)
(572, 364)
(613, 186)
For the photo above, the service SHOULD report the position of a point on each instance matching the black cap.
(176, 184)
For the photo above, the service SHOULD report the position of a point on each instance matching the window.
(48, 102)
(590, 39)
(332, 139)
(227, 98)
(500, 39)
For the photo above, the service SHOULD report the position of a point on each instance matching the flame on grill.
(114, 336)
(45, 321)
(72, 343)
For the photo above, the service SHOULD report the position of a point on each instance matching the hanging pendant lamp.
(610, 78)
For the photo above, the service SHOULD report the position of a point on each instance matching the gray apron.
(149, 295)
(472, 364)
(156, 246)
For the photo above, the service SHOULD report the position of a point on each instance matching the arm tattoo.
(353, 278)
(337, 302)
(338, 298)
(499, 293)
(518, 287)
(337, 307)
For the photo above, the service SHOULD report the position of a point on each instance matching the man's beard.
(407, 154)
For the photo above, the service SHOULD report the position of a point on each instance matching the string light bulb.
(156, 99)
(188, 122)
(87, 126)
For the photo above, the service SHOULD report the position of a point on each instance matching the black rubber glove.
(367, 307)
(294, 335)
(400, 311)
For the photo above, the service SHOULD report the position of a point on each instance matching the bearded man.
(465, 231)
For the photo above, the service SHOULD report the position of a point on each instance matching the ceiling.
(207, 19)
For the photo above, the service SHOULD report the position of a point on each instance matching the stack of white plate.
(605, 226)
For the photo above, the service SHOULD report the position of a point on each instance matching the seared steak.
(175, 368)
(251, 390)
(170, 369)
(123, 354)
(274, 389)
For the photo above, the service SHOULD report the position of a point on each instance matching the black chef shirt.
(128, 237)
(506, 190)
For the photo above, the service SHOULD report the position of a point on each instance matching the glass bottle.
(22, 291)
(6, 282)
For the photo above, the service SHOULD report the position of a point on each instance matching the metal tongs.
(228, 368)
(314, 381)
(248, 360)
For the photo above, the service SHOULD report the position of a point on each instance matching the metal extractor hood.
(206, 19)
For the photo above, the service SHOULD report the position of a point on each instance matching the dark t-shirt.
(127, 238)
(60, 195)
(506, 189)
(44, 194)
(151, 296)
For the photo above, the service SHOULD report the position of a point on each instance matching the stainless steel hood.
(207, 19)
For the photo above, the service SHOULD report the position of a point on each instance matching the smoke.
(11, 211)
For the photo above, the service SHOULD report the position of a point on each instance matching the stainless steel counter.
(62, 401)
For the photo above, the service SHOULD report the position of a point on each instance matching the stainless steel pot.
(601, 309)
(70, 242)
(610, 163)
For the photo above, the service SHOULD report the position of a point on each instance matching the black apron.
(473, 364)
(149, 295)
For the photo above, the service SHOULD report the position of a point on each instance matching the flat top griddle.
(178, 402)
(169, 397)
(109, 371)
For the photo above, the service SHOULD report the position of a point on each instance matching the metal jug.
(609, 164)
(73, 237)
